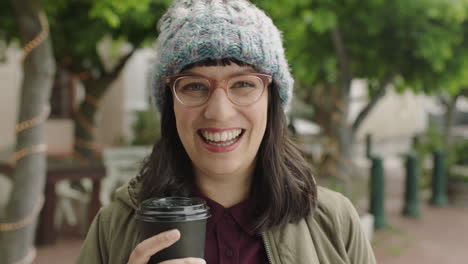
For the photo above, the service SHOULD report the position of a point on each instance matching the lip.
(220, 149)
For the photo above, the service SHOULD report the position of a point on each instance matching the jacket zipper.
(267, 247)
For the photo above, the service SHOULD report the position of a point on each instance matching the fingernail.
(173, 234)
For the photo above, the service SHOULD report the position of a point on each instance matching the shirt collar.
(242, 213)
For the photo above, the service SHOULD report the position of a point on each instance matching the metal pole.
(415, 141)
(439, 180)
(412, 207)
(377, 193)
(368, 146)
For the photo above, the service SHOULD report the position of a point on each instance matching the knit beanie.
(196, 30)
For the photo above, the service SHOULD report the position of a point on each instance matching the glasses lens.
(192, 90)
(245, 89)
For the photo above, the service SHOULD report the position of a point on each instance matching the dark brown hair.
(283, 188)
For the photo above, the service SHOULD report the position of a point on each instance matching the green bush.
(146, 128)
(456, 155)
(429, 142)
(461, 153)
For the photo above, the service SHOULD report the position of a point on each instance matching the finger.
(143, 251)
(184, 261)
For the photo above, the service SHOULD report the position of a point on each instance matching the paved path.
(439, 235)
(65, 251)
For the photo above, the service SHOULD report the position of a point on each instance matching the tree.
(131, 21)
(330, 43)
(454, 79)
(29, 174)
(76, 28)
(449, 101)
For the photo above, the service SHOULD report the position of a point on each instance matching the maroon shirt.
(230, 237)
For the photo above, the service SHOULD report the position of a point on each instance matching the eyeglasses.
(195, 90)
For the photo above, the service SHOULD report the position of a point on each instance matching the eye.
(194, 87)
(243, 84)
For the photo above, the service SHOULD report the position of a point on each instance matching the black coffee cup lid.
(173, 209)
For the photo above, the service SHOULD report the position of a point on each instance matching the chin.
(220, 168)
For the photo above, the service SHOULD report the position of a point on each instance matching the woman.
(230, 146)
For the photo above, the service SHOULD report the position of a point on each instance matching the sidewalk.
(65, 251)
(439, 235)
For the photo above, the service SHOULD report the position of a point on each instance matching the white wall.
(394, 120)
(109, 115)
(136, 91)
(127, 94)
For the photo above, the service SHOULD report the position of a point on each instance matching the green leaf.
(322, 20)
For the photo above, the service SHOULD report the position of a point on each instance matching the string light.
(31, 45)
(8, 227)
(39, 148)
(89, 127)
(92, 100)
(33, 122)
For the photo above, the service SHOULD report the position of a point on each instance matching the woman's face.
(221, 138)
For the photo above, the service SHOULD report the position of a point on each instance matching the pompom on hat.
(196, 30)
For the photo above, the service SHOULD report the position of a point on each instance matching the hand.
(147, 248)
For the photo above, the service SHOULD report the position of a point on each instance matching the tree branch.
(120, 66)
(449, 119)
(107, 78)
(372, 102)
(464, 92)
(444, 99)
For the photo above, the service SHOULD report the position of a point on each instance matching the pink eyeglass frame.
(171, 80)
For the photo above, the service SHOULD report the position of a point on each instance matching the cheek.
(183, 122)
(259, 116)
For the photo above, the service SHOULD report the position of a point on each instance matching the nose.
(219, 107)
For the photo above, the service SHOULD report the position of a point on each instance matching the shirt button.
(229, 252)
(228, 218)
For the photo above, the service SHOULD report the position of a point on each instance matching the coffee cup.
(187, 214)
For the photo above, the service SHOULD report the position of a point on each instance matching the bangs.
(214, 62)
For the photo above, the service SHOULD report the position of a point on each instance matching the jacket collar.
(128, 193)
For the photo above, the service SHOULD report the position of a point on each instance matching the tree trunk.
(331, 103)
(448, 122)
(332, 107)
(30, 172)
(85, 122)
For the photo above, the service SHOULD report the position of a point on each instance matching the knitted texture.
(195, 30)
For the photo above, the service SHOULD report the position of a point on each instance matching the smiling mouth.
(222, 139)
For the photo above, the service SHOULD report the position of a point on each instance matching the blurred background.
(380, 110)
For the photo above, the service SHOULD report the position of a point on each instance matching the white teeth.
(221, 137)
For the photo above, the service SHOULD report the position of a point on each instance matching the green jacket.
(331, 236)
